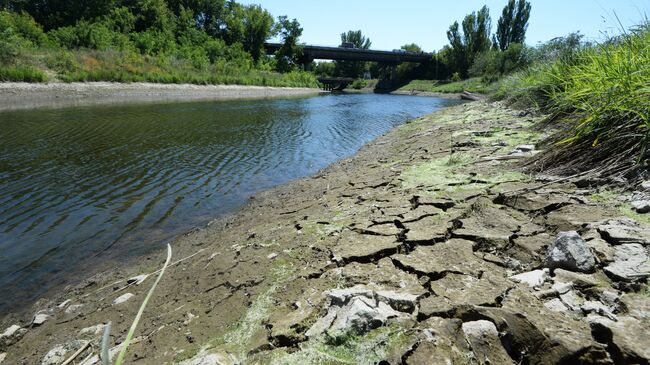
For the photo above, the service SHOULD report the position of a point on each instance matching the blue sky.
(390, 24)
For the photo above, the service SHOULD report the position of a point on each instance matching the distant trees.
(511, 27)
(355, 69)
(475, 38)
(288, 56)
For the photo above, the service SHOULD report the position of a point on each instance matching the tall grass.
(600, 97)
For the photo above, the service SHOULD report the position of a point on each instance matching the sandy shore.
(14, 96)
(426, 247)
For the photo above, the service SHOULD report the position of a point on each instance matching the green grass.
(24, 73)
(474, 85)
(600, 97)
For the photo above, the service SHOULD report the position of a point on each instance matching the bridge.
(335, 83)
(311, 53)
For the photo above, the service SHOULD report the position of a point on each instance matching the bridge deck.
(354, 54)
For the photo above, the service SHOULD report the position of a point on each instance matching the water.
(86, 182)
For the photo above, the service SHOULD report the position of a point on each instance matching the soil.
(30, 95)
(436, 211)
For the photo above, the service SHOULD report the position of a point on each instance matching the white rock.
(555, 305)
(631, 262)
(271, 256)
(58, 353)
(40, 318)
(480, 328)
(645, 185)
(3, 356)
(624, 230)
(10, 331)
(641, 206)
(65, 303)
(525, 147)
(137, 280)
(97, 329)
(532, 278)
(123, 298)
(211, 359)
(570, 252)
(73, 308)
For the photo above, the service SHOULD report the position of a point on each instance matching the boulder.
(570, 252)
(483, 338)
(40, 318)
(626, 334)
(10, 331)
(641, 206)
(631, 263)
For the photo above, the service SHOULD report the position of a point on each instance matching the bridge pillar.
(307, 61)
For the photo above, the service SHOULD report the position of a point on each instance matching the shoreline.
(412, 213)
(20, 95)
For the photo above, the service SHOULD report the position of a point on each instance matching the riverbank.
(428, 244)
(15, 96)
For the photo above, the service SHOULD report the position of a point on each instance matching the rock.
(555, 305)
(211, 359)
(443, 343)
(73, 308)
(483, 338)
(403, 302)
(352, 246)
(637, 305)
(627, 334)
(3, 356)
(624, 230)
(631, 263)
(271, 256)
(603, 250)
(137, 280)
(578, 280)
(123, 298)
(356, 310)
(64, 303)
(592, 306)
(10, 331)
(570, 252)
(641, 206)
(97, 329)
(572, 300)
(58, 353)
(39, 319)
(522, 148)
(645, 185)
(533, 278)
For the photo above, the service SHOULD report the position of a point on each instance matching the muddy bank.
(15, 96)
(428, 246)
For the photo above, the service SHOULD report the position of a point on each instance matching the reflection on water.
(76, 182)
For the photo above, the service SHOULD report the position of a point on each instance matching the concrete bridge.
(311, 53)
(335, 83)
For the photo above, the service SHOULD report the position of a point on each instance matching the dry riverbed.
(429, 246)
(20, 95)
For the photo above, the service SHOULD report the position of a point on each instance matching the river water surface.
(78, 183)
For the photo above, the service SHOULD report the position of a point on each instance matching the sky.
(390, 24)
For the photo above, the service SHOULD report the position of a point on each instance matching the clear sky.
(392, 23)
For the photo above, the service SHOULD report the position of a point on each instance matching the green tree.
(352, 68)
(511, 27)
(52, 14)
(249, 25)
(474, 40)
(288, 56)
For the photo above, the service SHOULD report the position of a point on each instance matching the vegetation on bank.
(165, 41)
(474, 84)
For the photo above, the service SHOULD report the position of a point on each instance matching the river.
(79, 184)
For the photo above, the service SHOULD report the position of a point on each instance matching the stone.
(524, 148)
(533, 278)
(211, 359)
(483, 338)
(555, 305)
(58, 353)
(641, 206)
(10, 331)
(40, 318)
(631, 263)
(64, 303)
(624, 230)
(137, 280)
(356, 310)
(97, 329)
(645, 185)
(123, 298)
(626, 333)
(427, 229)
(592, 306)
(604, 251)
(637, 305)
(443, 342)
(3, 356)
(570, 252)
(403, 302)
(578, 280)
(353, 246)
(73, 308)
(271, 256)
(572, 300)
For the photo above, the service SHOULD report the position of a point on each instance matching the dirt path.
(404, 253)
(14, 96)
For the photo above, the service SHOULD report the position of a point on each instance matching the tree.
(474, 40)
(352, 68)
(511, 27)
(288, 56)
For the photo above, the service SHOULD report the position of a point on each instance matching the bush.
(22, 73)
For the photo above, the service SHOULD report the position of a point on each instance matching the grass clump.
(475, 85)
(599, 96)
